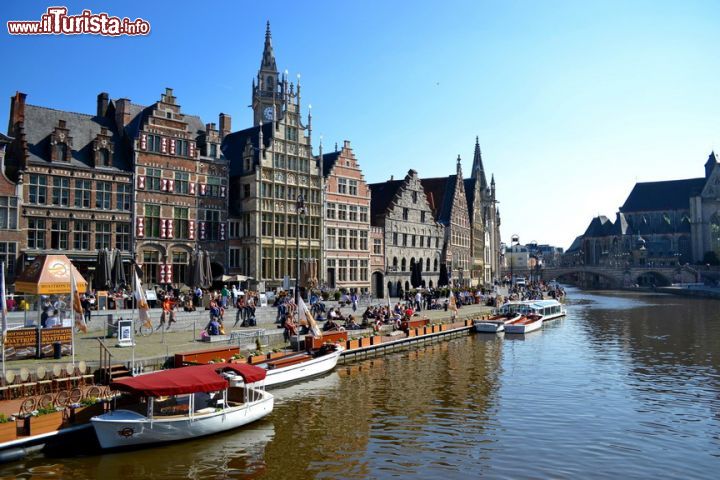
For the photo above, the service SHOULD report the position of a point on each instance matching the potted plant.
(365, 341)
(8, 428)
(276, 353)
(336, 295)
(45, 420)
(353, 343)
(237, 358)
(375, 340)
(87, 408)
(443, 327)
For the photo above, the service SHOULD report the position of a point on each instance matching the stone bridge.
(608, 277)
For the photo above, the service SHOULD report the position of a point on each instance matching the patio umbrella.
(103, 270)
(195, 271)
(207, 276)
(118, 271)
(443, 280)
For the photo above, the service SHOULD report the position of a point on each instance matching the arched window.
(269, 83)
(715, 234)
(395, 262)
(61, 152)
(407, 285)
(430, 284)
(435, 265)
(412, 263)
(427, 265)
(104, 157)
(403, 265)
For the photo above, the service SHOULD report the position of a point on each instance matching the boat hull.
(524, 328)
(300, 371)
(126, 429)
(489, 327)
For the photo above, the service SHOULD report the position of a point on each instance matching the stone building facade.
(76, 172)
(377, 262)
(181, 189)
(271, 166)
(346, 228)
(662, 223)
(447, 199)
(11, 236)
(412, 235)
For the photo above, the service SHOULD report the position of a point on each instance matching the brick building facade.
(11, 236)
(346, 223)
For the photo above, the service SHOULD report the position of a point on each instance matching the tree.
(711, 258)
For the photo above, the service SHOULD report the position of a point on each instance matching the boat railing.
(106, 362)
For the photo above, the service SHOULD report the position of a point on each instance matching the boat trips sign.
(27, 342)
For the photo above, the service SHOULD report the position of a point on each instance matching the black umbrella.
(207, 276)
(443, 281)
(103, 270)
(194, 271)
(118, 271)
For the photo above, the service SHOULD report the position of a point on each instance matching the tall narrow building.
(271, 167)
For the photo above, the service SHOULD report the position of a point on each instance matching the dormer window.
(168, 114)
(61, 152)
(104, 157)
(213, 150)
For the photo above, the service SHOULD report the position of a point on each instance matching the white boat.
(495, 323)
(300, 366)
(525, 324)
(183, 403)
(548, 309)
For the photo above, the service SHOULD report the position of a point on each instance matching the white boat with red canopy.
(183, 403)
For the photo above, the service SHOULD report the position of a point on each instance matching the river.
(627, 385)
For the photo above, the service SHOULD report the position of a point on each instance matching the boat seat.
(286, 362)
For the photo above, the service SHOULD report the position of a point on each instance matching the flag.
(452, 304)
(141, 302)
(3, 303)
(305, 311)
(77, 304)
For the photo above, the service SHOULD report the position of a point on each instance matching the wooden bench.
(316, 342)
(414, 323)
(286, 362)
(204, 356)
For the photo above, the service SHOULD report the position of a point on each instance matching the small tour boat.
(183, 403)
(549, 309)
(496, 323)
(525, 324)
(300, 366)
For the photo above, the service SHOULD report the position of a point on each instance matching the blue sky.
(573, 101)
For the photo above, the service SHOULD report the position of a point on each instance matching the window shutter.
(191, 230)
(141, 182)
(222, 191)
(191, 148)
(164, 145)
(163, 184)
(203, 188)
(172, 146)
(202, 230)
(143, 141)
(140, 227)
(192, 188)
(168, 273)
(162, 273)
(163, 233)
(169, 229)
(171, 185)
(222, 231)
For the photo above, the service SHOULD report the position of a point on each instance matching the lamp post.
(514, 240)
(300, 209)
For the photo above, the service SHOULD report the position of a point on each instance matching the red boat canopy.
(198, 378)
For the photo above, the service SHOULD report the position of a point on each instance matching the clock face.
(268, 113)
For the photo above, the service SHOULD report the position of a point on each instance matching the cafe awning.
(49, 274)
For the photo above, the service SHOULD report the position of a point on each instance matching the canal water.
(626, 386)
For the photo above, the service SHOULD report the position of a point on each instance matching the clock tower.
(267, 90)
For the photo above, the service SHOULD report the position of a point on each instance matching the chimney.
(225, 125)
(17, 111)
(346, 144)
(122, 112)
(103, 99)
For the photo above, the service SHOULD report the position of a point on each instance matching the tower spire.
(478, 171)
(268, 59)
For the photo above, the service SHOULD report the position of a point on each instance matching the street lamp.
(299, 209)
(514, 240)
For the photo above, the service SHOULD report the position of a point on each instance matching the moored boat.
(183, 403)
(549, 309)
(525, 324)
(300, 366)
(496, 323)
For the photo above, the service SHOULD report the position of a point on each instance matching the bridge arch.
(650, 278)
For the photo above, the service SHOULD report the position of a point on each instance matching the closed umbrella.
(194, 271)
(103, 270)
(207, 276)
(118, 271)
(443, 280)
